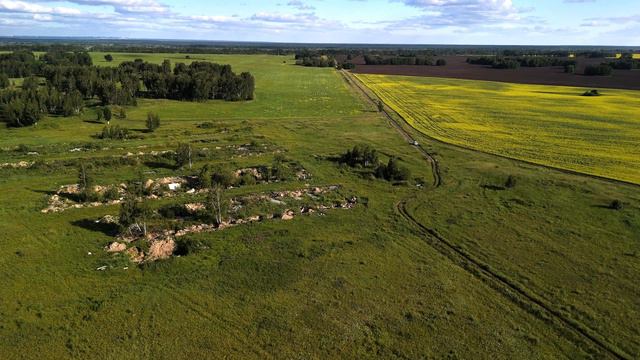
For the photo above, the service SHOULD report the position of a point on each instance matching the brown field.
(458, 68)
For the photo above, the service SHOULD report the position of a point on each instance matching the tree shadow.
(107, 229)
(494, 187)
(160, 165)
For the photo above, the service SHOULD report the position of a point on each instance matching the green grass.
(548, 125)
(355, 283)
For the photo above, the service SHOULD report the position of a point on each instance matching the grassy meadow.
(360, 283)
(548, 125)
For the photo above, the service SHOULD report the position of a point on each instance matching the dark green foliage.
(280, 170)
(30, 84)
(441, 62)
(616, 205)
(153, 121)
(511, 182)
(380, 106)
(122, 113)
(591, 93)
(207, 125)
(315, 60)
(111, 194)
(107, 114)
(114, 132)
(187, 246)
(398, 60)
(360, 155)
(223, 176)
(108, 57)
(183, 155)
(598, 70)
(85, 183)
(133, 210)
(4, 81)
(392, 171)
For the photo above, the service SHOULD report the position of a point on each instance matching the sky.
(500, 22)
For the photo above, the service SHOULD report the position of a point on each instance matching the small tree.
(183, 155)
(122, 113)
(85, 183)
(153, 121)
(215, 203)
(380, 106)
(134, 212)
(99, 115)
(511, 182)
(108, 58)
(107, 114)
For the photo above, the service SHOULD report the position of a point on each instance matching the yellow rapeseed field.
(548, 125)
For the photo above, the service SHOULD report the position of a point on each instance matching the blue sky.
(543, 22)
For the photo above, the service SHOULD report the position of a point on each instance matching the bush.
(207, 125)
(186, 246)
(153, 121)
(108, 58)
(111, 194)
(616, 205)
(591, 93)
(441, 62)
(114, 133)
(511, 182)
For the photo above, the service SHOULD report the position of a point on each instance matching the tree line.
(71, 78)
(403, 60)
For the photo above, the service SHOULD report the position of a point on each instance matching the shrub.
(114, 133)
(511, 182)
(441, 62)
(616, 205)
(591, 93)
(108, 57)
(207, 125)
(153, 121)
(186, 246)
(111, 194)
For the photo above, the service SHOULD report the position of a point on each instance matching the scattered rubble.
(115, 247)
(17, 165)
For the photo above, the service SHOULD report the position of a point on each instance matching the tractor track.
(576, 332)
(538, 307)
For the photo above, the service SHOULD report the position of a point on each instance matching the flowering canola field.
(548, 125)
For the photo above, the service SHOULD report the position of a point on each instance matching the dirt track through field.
(575, 331)
(433, 162)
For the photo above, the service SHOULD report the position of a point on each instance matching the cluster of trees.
(625, 64)
(316, 61)
(27, 106)
(500, 62)
(598, 70)
(367, 157)
(402, 60)
(198, 81)
(70, 78)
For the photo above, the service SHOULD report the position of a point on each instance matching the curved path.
(580, 334)
(433, 162)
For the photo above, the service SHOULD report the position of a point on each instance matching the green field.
(359, 283)
(548, 125)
